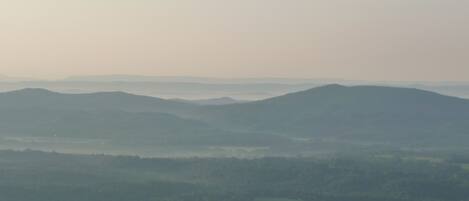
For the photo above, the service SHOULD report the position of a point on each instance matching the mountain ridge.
(352, 112)
(113, 100)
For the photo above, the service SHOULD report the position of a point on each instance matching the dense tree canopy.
(38, 176)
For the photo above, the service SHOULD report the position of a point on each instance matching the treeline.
(38, 176)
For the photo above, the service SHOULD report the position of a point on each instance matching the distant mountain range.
(212, 101)
(4, 78)
(195, 88)
(189, 79)
(115, 117)
(331, 114)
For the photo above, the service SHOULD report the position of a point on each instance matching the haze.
(351, 39)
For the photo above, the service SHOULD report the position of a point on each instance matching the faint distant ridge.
(212, 101)
(32, 91)
(190, 79)
(5, 78)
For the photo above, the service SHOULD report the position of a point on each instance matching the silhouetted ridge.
(45, 99)
(355, 111)
(32, 91)
(212, 101)
(359, 113)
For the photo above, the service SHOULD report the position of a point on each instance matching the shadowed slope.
(352, 112)
(44, 99)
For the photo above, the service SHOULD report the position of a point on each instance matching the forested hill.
(358, 112)
(32, 98)
(339, 115)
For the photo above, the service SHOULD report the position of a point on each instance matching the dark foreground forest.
(39, 176)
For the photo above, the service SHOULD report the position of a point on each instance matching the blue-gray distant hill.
(328, 117)
(212, 101)
(369, 113)
(45, 99)
(116, 117)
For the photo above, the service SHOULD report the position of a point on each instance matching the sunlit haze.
(349, 39)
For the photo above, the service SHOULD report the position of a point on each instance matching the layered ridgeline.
(331, 115)
(211, 101)
(31, 98)
(37, 116)
(363, 113)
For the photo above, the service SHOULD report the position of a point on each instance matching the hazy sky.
(352, 39)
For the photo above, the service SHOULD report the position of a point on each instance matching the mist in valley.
(234, 100)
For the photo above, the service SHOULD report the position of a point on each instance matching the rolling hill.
(31, 98)
(124, 128)
(334, 114)
(113, 117)
(358, 113)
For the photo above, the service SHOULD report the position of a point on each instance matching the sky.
(398, 40)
